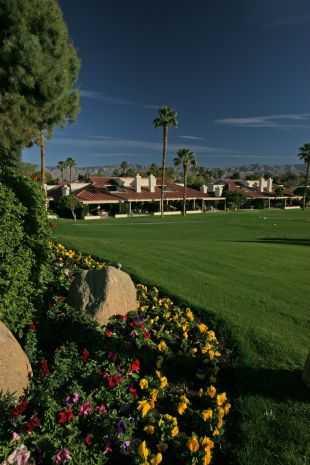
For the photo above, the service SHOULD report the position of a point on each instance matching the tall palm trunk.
(42, 156)
(165, 145)
(185, 188)
(306, 185)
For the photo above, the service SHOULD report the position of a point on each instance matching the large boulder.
(306, 373)
(15, 368)
(103, 293)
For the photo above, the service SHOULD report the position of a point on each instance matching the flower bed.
(142, 390)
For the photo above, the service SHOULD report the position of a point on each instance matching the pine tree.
(39, 68)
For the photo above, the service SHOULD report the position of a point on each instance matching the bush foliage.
(24, 251)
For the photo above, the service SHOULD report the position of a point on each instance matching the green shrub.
(16, 262)
(24, 251)
(70, 207)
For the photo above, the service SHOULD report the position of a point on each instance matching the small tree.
(70, 163)
(70, 202)
(235, 199)
(186, 159)
(304, 154)
(61, 165)
(167, 118)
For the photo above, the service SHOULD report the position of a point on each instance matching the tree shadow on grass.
(277, 384)
(280, 241)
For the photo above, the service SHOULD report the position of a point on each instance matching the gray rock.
(103, 293)
(15, 368)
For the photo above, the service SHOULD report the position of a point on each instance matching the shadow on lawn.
(281, 240)
(277, 384)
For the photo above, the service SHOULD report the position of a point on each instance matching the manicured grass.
(252, 270)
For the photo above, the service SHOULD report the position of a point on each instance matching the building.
(122, 196)
(259, 192)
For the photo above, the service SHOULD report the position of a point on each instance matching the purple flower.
(121, 427)
(62, 456)
(125, 447)
(73, 399)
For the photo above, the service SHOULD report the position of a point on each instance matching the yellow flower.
(194, 350)
(157, 459)
(220, 423)
(205, 349)
(207, 414)
(182, 406)
(207, 457)
(189, 314)
(211, 336)
(221, 399)
(163, 382)
(221, 412)
(227, 408)
(162, 346)
(211, 354)
(149, 429)
(207, 442)
(211, 391)
(174, 432)
(144, 384)
(193, 444)
(216, 432)
(154, 395)
(144, 406)
(143, 451)
(202, 328)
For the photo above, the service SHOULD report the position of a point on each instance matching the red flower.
(44, 369)
(65, 416)
(108, 333)
(133, 391)
(88, 440)
(85, 355)
(112, 380)
(33, 423)
(135, 366)
(20, 408)
(146, 335)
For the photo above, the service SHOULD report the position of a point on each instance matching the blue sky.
(238, 74)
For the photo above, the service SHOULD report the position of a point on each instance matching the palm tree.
(186, 159)
(61, 166)
(70, 163)
(167, 118)
(304, 154)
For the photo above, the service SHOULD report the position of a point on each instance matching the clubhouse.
(123, 196)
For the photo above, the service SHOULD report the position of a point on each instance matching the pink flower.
(20, 456)
(62, 456)
(86, 409)
(102, 409)
(15, 436)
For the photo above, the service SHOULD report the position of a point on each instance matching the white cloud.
(94, 95)
(108, 143)
(191, 137)
(290, 120)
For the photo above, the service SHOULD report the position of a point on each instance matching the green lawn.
(252, 270)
